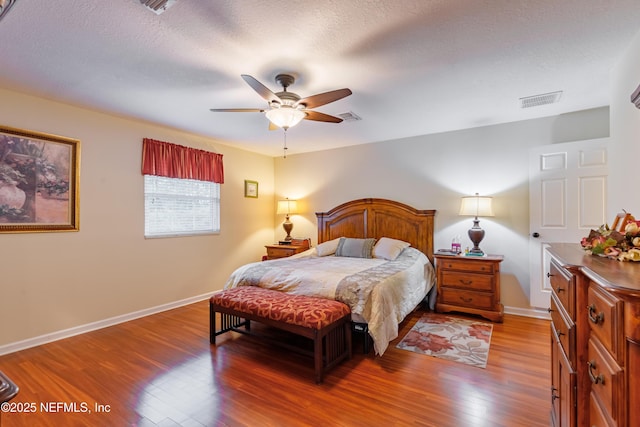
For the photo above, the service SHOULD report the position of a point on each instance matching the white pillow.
(387, 248)
(328, 248)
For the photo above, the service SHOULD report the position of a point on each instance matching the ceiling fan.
(287, 109)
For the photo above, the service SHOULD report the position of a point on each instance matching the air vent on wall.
(538, 100)
(349, 116)
(157, 6)
(5, 5)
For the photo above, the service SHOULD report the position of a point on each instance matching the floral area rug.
(452, 338)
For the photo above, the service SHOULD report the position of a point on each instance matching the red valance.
(176, 161)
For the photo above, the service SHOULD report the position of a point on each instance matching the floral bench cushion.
(301, 310)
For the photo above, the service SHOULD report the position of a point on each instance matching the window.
(181, 189)
(177, 207)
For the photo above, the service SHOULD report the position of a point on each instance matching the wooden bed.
(376, 218)
(379, 291)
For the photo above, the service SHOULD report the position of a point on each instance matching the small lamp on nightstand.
(287, 207)
(476, 206)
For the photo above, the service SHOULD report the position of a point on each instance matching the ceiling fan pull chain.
(284, 156)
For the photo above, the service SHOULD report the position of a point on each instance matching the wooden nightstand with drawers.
(470, 285)
(282, 251)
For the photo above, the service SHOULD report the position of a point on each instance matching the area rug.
(452, 338)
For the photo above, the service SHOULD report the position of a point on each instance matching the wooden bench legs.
(228, 323)
(331, 344)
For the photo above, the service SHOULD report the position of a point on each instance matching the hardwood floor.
(161, 371)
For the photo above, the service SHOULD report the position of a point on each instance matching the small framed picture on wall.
(251, 189)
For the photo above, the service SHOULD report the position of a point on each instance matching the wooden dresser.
(469, 285)
(595, 312)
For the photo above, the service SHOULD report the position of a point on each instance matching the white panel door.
(567, 198)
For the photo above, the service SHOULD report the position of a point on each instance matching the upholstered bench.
(326, 322)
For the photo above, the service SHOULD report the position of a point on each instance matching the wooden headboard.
(365, 218)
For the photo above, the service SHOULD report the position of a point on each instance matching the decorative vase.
(11, 196)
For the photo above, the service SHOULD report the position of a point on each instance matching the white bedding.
(379, 292)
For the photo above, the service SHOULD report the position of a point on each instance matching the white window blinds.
(178, 207)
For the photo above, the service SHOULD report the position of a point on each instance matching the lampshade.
(287, 207)
(285, 116)
(476, 206)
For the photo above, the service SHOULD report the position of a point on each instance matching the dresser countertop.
(620, 276)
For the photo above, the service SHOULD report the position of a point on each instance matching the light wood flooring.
(161, 371)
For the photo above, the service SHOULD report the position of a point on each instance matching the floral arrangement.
(620, 245)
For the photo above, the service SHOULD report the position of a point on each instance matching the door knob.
(536, 234)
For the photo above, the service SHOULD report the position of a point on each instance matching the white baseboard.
(77, 330)
(538, 313)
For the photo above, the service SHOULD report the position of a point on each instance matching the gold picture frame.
(39, 182)
(251, 189)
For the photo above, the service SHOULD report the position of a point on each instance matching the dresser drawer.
(607, 381)
(563, 285)
(597, 416)
(563, 390)
(477, 282)
(564, 329)
(605, 319)
(464, 298)
(468, 265)
(280, 252)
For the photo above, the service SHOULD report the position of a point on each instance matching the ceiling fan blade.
(320, 99)
(262, 90)
(273, 127)
(237, 110)
(321, 117)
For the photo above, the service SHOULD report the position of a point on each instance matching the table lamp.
(287, 207)
(476, 206)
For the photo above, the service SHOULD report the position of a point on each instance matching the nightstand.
(282, 251)
(470, 285)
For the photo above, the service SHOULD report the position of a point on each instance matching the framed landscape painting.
(39, 176)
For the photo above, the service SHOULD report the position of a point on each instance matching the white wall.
(625, 134)
(433, 172)
(54, 281)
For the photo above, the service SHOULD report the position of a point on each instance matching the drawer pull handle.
(598, 318)
(467, 300)
(554, 396)
(594, 379)
(549, 274)
(559, 334)
(559, 289)
(549, 310)
(466, 282)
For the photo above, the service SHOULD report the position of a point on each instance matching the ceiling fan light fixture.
(5, 5)
(285, 116)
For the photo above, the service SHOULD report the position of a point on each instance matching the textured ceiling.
(414, 66)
